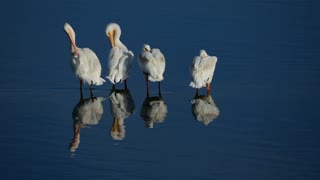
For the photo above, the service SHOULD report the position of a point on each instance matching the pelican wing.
(205, 64)
(94, 63)
(87, 67)
(153, 64)
(202, 69)
(94, 66)
(114, 56)
(209, 64)
(129, 61)
(119, 64)
(124, 65)
(160, 60)
(113, 61)
(195, 63)
(145, 62)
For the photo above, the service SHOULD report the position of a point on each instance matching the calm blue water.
(264, 121)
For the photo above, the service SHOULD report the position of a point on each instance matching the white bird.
(153, 64)
(84, 62)
(202, 70)
(120, 58)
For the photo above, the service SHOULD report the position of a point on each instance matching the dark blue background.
(266, 86)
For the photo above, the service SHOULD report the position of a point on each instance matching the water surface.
(263, 122)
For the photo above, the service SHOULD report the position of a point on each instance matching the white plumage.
(120, 58)
(84, 62)
(87, 67)
(202, 70)
(152, 63)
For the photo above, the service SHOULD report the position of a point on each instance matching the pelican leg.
(81, 101)
(147, 82)
(125, 84)
(113, 86)
(91, 94)
(208, 89)
(197, 92)
(81, 95)
(159, 89)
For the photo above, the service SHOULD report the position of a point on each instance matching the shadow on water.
(204, 109)
(87, 112)
(122, 106)
(153, 110)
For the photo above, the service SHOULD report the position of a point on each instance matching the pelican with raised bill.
(202, 70)
(120, 58)
(152, 63)
(84, 62)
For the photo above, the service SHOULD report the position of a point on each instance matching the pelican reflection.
(204, 109)
(87, 112)
(154, 110)
(122, 106)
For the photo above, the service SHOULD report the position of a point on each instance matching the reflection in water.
(204, 109)
(154, 109)
(122, 106)
(87, 112)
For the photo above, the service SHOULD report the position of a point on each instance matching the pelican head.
(113, 32)
(67, 27)
(203, 53)
(146, 47)
(72, 36)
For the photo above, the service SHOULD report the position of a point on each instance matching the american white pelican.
(204, 109)
(152, 64)
(202, 70)
(120, 58)
(153, 110)
(87, 112)
(84, 62)
(122, 106)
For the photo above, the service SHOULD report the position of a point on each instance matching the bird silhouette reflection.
(154, 110)
(87, 112)
(204, 109)
(122, 106)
